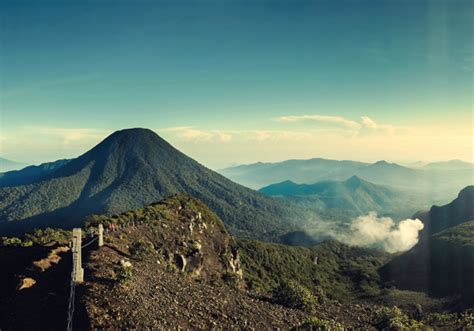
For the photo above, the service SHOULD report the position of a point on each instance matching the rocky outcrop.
(52, 258)
(26, 282)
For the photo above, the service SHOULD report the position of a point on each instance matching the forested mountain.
(29, 174)
(442, 263)
(354, 195)
(129, 169)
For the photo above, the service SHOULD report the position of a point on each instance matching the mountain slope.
(173, 264)
(129, 169)
(29, 174)
(354, 194)
(442, 263)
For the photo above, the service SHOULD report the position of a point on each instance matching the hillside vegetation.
(442, 263)
(173, 264)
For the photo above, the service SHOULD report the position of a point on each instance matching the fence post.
(101, 235)
(78, 271)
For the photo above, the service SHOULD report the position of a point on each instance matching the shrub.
(231, 279)
(393, 319)
(10, 241)
(294, 295)
(141, 248)
(458, 321)
(123, 272)
(316, 324)
(49, 235)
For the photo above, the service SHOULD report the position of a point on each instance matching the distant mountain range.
(434, 183)
(8, 165)
(130, 169)
(444, 165)
(442, 263)
(355, 195)
(29, 174)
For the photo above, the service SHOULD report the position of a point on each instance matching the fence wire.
(90, 242)
(71, 306)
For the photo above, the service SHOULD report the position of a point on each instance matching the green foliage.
(455, 321)
(231, 279)
(292, 294)
(141, 248)
(10, 241)
(48, 236)
(317, 324)
(342, 271)
(123, 273)
(393, 319)
(462, 235)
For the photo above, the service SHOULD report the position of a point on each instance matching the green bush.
(49, 235)
(458, 321)
(295, 295)
(10, 241)
(141, 248)
(316, 324)
(393, 319)
(123, 273)
(231, 279)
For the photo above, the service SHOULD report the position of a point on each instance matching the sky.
(231, 82)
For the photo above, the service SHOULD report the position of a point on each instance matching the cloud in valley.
(382, 232)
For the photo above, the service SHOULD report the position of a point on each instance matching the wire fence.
(72, 286)
(72, 294)
(90, 242)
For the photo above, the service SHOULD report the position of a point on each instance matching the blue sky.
(240, 81)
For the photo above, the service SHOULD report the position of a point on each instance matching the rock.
(126, 264)
(53, 258)
(180, 262)
(26, 283)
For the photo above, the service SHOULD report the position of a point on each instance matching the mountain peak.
(355, 181)
(132, 132)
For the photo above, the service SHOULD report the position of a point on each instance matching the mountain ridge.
(132, 168)
(353, 194)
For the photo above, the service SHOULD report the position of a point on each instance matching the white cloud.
(382, 232)
(367, 122)
(40, 144)
(70, 136)
(334, 120)
(364, 127)
(190, 133)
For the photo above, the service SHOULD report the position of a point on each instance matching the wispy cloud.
(333, 120)
(364, 126)
(69, 136)
(194, 134)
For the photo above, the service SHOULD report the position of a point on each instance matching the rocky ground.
(172, 265)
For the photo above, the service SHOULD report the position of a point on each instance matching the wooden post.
(78, 271)
(101, 235)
